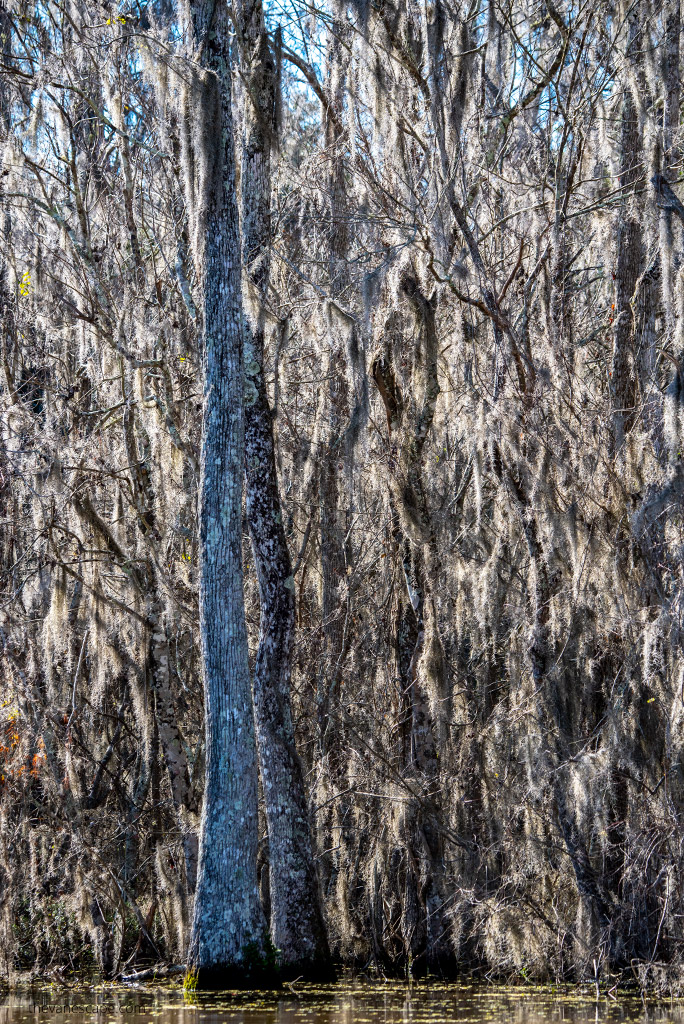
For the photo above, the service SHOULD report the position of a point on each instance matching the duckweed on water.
(355, 1003)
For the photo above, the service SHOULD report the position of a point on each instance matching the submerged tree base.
(232, 976)
(258, 973)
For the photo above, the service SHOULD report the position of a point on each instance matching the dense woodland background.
(471, 303)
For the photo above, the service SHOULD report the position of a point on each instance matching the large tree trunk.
(297, 926)
(228, 939)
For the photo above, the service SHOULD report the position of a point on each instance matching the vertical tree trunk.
(228, 940)
(671, 82)
(297, 927)
(333, 398)
(424, 926)
(6, 308)
(170, 735)
(670, 231)
(630, 255)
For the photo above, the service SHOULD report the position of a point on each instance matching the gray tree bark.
(229, 939)
(297, 927)
(333, 404)
(630, 259)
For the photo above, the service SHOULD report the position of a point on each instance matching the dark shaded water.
(355, 1003)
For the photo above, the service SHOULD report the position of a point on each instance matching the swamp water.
(344, 1003)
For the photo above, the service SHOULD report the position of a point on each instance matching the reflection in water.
(356, 1003)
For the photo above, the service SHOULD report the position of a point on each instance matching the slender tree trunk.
(171, 738)
(671, 82)
(424, 926)
(670, 71)
(670, 228)
(630, 257)
(6, 305)
(297, 927)
(229, 937)
(334, 400)
(170, 735)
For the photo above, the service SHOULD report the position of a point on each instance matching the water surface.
(346, 1003)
